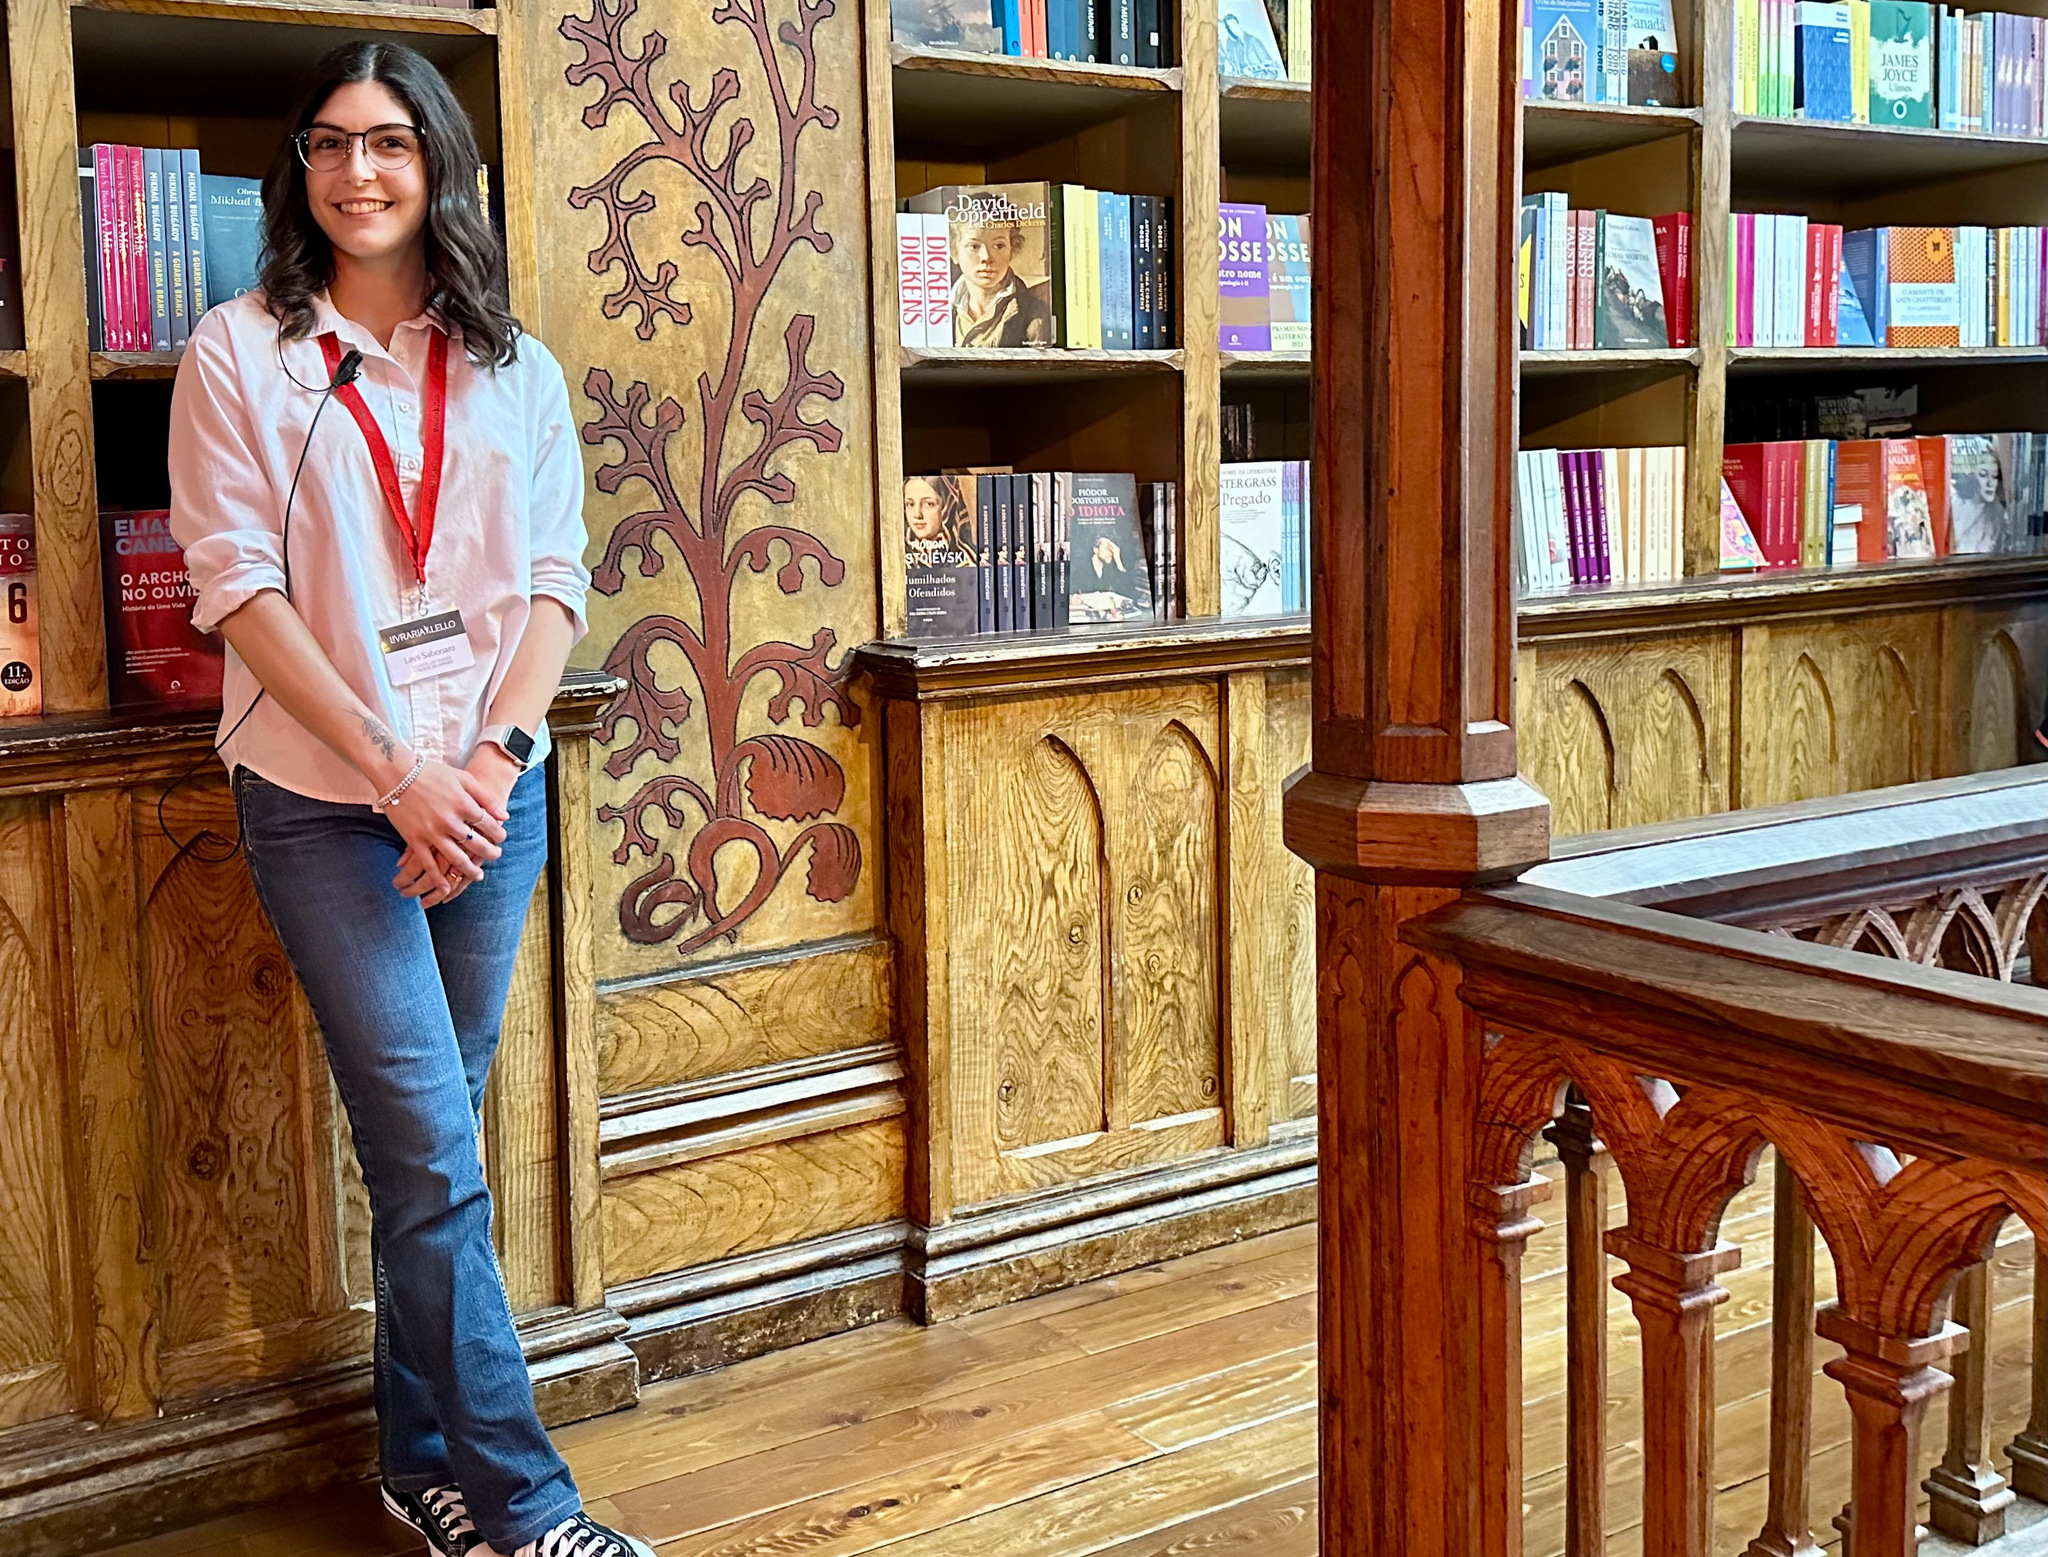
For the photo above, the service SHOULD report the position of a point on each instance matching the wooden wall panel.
(1291, 913)
(1623, 731)
(522, 1133)
(36, 1325)
(1997, 683)
(753, 1199)
(1085, 940)
(744, 1015)
(1842, 704)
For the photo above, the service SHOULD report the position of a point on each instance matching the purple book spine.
(1596, 482)
(1574, 514)
(1244, 281)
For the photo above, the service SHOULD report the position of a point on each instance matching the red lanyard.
(418, 536)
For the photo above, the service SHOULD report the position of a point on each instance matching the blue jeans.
(409, 1001)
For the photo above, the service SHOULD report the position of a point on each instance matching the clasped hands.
(453, 823)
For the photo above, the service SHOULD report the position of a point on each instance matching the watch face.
(519, 744)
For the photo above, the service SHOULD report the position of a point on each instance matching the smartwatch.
(510, 739)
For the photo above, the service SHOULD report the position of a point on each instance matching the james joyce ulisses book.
(155, 656)
(939, 558)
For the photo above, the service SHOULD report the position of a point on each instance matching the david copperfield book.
(155, 656)
(939, 561)
(1002, 257)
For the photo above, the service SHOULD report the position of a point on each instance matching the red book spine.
(138, 250)
(1034, 21)
(110, 285)
(1589, 275)
(119, 337)
(1790, 471)
(1671, 234)
(1685, 296)
(1831, 264)
(1817, 283)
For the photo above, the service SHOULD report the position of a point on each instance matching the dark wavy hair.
(465, 263)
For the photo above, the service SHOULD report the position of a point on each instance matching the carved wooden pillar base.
(1890, 1382)
(1502, 1219)
(1787, 1530)
(1674, 1296)
(1967, 1498)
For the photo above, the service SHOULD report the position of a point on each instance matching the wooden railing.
(1671, 1003)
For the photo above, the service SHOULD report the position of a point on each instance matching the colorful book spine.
(197, 302)
(177, 288)
(910, 304)
(136, 196)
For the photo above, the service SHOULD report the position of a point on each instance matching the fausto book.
(1244, 318)
(942, 582)
(1630, 309)
(973, 25)
(1245, 44)
(155, 656)
(1287, 260)
(1001, 273)
(21, 678)
(1901, 64)
(1106, 574)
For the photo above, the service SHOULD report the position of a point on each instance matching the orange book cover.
(1859, 483)
(1924, 308)
(1934, 476)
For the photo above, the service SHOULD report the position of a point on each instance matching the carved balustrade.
(1907, 1104)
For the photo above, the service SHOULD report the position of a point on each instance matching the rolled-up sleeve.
(558, 532)
(223, 507)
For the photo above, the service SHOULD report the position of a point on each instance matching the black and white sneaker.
(439, 1514)
(581, 1536)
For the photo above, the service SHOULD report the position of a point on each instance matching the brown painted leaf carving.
(789, 779)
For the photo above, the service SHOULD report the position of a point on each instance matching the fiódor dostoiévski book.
(942, 583)
(1106, 579)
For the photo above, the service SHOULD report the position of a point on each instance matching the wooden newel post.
(1412, 794)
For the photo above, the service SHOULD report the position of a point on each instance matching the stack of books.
(1793, 282)
(1262, 276)
(164, 242)
(1023, 551)
(1600, 51)
(1599, 281)
(1265, 528)
(1815, 503)
(1106, 32)
(1904, 64)
(1589, 517)
(1036, 264)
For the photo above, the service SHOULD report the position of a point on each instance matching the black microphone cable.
(345, 372)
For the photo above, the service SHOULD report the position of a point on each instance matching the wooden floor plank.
(1222, 1402)
(1282, 1523)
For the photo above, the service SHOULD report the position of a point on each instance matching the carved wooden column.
(1585, 1339)
(1674, 1295)
(1504, 1225)
(1890, 1382)
(1412, 793)
(2029, 1451)
(1967, 1498)
(1788, 1528)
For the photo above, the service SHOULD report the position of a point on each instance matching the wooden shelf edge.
(1885, 356)
(135, 364)
(1255, 89)
(1613, 113)
(1266, 364)
(1026, 361)
(1736, 600)
(1773, 124)
(314, 13)
(1597, 360)
(915, 670)
(1010, 67)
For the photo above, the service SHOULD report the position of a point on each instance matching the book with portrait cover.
(972, 25)
(1106, 578)
(1287, 252)
(1244, 319)
(155, 656)
(1630, 308)
(941, 577)
(21, 661)
(1245, 42)
(1004, 244)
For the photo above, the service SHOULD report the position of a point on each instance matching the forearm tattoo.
(379, 737)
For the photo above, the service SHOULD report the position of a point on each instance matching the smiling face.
(370, 214)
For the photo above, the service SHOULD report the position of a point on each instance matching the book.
(155, 253)
(1852, 324)
(231, 229)
(1043, 531)
(110, 244)
(939, 556)
(999, 282)
(1253, 538)
(1005, 551)
(1908, 519)
(1144, 275)
(196, 300)
(1674, 273)
(21, 661)
(1821, 55)
(1979, 515)
(1106, 579)
(1922, 304)
(985, 552)
(1652, 41)
(938, 280)
(1585, 277)
(1859, 61)
(11, 328)
(1166, 286)
(1300, 40)
(1866, 255)
(135, 221)
(1152, 46)
(911, 314)
(1901, 64)
(1245, 45)
(1630, 306)
(1739, 550)
(1287, 252)
(1119, 326)
(1566, 38)
(155, 656)
(89, 227)
(1244, 317)
(176, 286)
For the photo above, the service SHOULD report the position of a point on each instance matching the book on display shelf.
(1588, 517)
(1245, 42)
(156, 658)
(21, 679)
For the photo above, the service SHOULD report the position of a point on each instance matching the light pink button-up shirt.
(509, 524)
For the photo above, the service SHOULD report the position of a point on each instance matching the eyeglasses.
(388, 146)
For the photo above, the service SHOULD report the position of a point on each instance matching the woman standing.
(400, 580)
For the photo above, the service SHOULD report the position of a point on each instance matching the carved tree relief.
(750, 808)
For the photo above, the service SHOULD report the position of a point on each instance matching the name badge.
(423, 649)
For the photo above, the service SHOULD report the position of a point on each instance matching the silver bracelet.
(419, 766)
